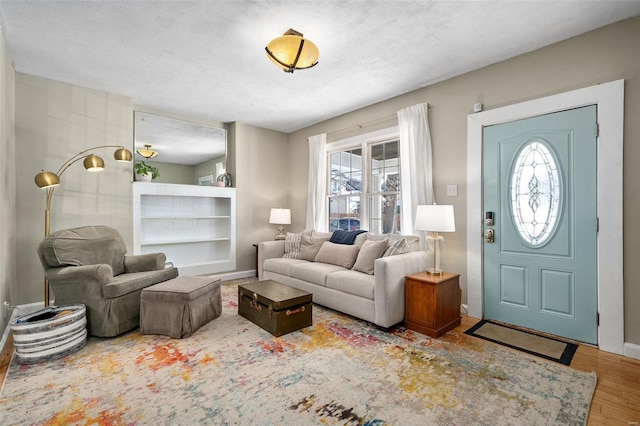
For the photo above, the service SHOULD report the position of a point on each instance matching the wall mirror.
(187, 153)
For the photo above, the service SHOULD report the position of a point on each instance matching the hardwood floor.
(616, 400)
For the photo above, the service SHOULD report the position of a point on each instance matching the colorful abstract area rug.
(339, 371)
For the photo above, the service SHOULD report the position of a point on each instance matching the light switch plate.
(452, 190)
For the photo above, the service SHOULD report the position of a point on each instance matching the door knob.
(489, 235)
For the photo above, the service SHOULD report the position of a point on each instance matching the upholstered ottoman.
(180, 306)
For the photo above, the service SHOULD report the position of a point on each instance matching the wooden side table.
(432, 303)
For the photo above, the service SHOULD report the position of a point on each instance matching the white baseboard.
(236, 275)
(631, 350)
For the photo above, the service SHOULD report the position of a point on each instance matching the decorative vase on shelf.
(224, 178)
(143, 178)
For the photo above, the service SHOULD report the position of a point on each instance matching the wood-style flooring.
(615, 402)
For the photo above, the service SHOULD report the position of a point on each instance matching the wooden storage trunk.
(275, 307)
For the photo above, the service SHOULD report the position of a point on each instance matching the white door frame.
(609, 98)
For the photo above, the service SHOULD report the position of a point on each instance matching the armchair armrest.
(268, 250)
(389, 275)
(144, 262)
(83, 282)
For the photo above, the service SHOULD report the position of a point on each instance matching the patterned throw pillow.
(398, 246)
(292, 243)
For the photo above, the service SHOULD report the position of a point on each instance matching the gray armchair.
(89, 265)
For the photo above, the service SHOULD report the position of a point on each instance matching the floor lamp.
(49, 180)
(433, 219)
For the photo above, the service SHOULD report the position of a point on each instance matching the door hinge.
(597, 224)
(598, 318)
(597, 130)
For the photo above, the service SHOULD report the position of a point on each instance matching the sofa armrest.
(144, 262)
(389, 275)
(268, 250)
(79, 282)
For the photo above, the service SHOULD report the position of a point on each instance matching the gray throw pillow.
(369, 252)
(309, 247)
(338, 254)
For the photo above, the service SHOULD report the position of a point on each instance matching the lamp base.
(434, 271)
(280, 235)
(435, 252)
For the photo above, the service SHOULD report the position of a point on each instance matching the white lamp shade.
(435, 218)
(280, 217)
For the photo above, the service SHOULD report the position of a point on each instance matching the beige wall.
(173, 173)
(607, 54)
(7, 182)
(55, 121)
(262, 180)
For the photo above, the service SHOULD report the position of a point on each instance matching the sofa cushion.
(281, 265)
(310, 246)
(338, 254)
(313, 272)
(292, 243)
(352, 282)
(87, 245)
(369, 252)
(360, 239)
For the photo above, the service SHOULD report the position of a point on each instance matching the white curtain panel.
(416, 167)
(317, 190)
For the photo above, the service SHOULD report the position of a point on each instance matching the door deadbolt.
(489, 235)
(488, 218)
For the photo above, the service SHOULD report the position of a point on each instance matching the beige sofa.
(376, 297)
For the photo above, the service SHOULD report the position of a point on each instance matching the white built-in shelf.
(195, 226)
(185, 217)
(182, 241)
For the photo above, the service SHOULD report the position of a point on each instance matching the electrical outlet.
(6, 308)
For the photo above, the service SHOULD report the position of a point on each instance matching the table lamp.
(433, 219)
(280, 217)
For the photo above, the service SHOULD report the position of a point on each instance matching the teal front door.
(539, 198)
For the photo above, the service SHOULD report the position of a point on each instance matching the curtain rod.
(367, 123)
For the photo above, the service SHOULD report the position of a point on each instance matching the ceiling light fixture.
(292, 52)
(147, 152)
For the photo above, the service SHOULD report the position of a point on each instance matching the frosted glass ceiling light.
(292, 52)
(147, 152)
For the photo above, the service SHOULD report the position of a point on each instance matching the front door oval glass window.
(535, 193)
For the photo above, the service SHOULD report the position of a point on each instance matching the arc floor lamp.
(49, 180)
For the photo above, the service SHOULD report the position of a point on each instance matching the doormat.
(544, 347)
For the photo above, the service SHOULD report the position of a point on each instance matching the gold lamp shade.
(47, 180)
(147, 152)
(123, 155)
(93, 163)
(292, 52)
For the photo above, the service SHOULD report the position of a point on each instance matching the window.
(535, 193)
(364, 188)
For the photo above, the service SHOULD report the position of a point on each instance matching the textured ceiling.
(206, 59)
